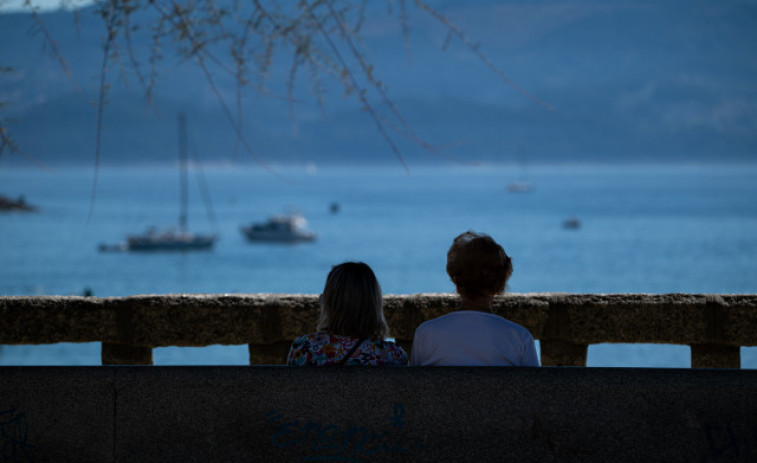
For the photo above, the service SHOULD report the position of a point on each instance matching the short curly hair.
(477, 265)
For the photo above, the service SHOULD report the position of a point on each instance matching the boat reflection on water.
(280, 228)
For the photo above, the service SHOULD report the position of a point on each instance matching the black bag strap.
(352, 351)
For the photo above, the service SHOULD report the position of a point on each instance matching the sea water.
(643, 229)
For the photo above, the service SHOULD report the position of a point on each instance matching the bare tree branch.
(50, 42)
(240, 39)
(360, 93)
(187, 33)
(473, 47)
(6, 142)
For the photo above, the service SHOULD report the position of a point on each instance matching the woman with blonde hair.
(351, 328)
(473, 335)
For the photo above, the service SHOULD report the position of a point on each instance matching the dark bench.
(186, 414)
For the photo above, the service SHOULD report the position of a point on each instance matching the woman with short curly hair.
(473, 335)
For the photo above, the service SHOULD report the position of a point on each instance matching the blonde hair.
(351, 303)
(477, 265)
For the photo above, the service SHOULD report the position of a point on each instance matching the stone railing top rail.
(262, 319)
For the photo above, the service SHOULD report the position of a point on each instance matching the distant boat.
(520, 187)
(334, 207)
(281, 228)
(571, 223)
(16, 205)
(170, 239)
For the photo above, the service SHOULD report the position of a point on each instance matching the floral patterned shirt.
(329, 349)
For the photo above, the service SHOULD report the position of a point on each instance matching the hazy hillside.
(650, 80)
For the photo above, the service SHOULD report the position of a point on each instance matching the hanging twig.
(110, 18)
(49, 41)
(146, 86)
(407, 129)
(360, 92)
(454, 30)
(199, 59)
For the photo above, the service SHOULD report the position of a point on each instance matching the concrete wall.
(714, 325)
(199, 414)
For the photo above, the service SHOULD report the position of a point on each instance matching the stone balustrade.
(715, 326)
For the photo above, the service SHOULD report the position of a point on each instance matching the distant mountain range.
(639, 80)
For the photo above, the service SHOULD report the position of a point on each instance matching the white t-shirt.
(472, 338)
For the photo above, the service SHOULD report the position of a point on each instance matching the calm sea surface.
(647, 229)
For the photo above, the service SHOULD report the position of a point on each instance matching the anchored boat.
(282, 228)
(170, 239)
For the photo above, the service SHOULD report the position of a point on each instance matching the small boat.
(571, 223)
(169, 239)
(334, 207)
(281, 228)
(520, 187)
(161, 240)
(16, 205)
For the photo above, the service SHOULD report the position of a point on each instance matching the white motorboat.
(282, 228)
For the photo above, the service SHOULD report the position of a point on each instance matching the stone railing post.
(713, 352)
(271, 345)
(121, 354)
(124, 351)
(269, 354)
(711, 356)
(556, 349)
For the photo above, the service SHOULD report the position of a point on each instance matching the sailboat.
(522, 185)
(170, 240)
(16, 205)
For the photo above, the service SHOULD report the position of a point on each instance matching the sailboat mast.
(184, 198)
